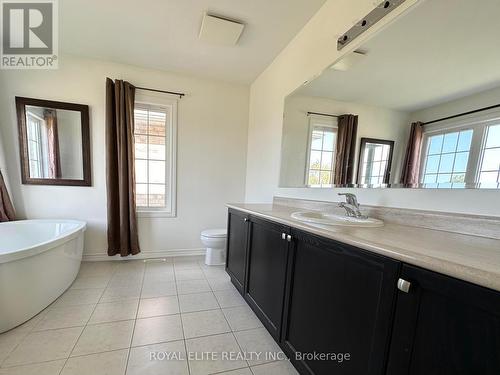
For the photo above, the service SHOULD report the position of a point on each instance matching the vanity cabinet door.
(444, 326)
(267, 265)
(340, 300)
(237, 232)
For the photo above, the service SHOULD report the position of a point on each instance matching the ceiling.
(439, 51)
(163, 34)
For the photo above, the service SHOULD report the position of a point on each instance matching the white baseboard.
(144, 255)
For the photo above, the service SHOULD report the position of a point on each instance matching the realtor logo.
(29, 34)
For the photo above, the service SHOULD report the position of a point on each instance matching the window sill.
(152, 214)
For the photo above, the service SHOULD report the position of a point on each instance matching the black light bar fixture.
(384, 8)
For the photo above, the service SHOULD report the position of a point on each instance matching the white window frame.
(170, 209)
(478, 123)
(326, 122)
(42, 167)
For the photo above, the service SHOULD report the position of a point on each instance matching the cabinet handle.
(283, 236)
(404, 285)
(289, 238)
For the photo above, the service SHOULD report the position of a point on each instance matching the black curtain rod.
(321, 114)
(180, 94)
(462, 114)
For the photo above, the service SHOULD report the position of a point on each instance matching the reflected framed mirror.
(375, 161)
(54, 142)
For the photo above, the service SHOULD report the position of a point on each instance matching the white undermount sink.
(324, 218)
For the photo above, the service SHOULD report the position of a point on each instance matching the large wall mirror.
(417, 105)
(54, 142)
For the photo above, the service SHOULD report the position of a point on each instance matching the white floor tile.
(241, 318)
(150, 307)
(198, 302)
(158, 289)
(144, 361)
(241, 371)
(44, 346)
(275, 368)
(104, 337)
(9, 340)
(108, 363)
(258, 341)
(65, 316)
(157, 329)
(45, 368)
(114, 311)
(192, 286)
(74, 297)
(189, 274)
(229, 298)
(217, 344)
(204, 323)
(90, 282)
(220, 283)
(121, 294)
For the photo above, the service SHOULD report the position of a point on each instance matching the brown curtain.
(7, 212)
(346, 145)
(411, 164)
(50, 117)
(120, 174)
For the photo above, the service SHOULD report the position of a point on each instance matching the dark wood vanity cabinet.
(340, 301)
(316, 295)
(237, 227)
(444, 326)
(268, 249)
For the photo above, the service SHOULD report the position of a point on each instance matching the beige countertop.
(470, 258)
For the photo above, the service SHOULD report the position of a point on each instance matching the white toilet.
(215, 242)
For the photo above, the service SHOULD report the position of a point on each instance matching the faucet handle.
(350, 199)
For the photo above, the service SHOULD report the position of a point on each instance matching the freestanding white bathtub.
(39, 259)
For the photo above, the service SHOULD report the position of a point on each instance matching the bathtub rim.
(46, 245)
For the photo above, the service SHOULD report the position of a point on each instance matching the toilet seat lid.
(214, 233)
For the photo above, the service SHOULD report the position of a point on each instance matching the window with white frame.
(490, 158)
(321, 151)
(35, 145)
(155, 144)
(462, 152)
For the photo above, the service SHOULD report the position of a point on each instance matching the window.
(490, 161)
(462, 153)
(375, 158)
(155, 135)
(321, 151)
(447, 156)
(35, 145)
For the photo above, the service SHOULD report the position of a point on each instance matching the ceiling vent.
(219, 30)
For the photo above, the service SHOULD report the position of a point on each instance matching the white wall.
(373, 122)
(212, 136)
(311, 51)
(469, 103)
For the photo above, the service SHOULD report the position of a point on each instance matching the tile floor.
(117, 315)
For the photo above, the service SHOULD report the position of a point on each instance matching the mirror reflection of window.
(490, 161)
(446, 158)
(35, 145)
(456, 156)
(375, 161)
(321, 151)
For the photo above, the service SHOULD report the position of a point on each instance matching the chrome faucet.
(351, 206)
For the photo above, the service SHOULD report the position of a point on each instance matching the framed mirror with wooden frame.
(375, 161)
(54, 142)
